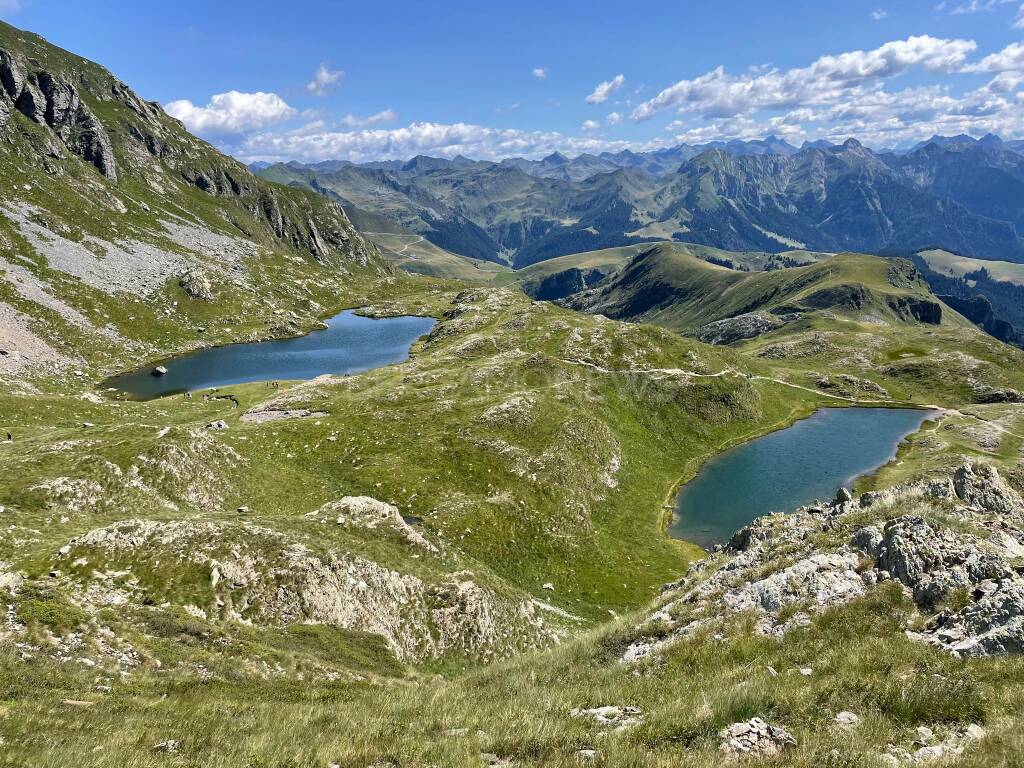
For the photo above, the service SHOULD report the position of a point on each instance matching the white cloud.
(613, 118)
(976, 6)
(606, 89)
(324, 80)
(879, 13)
(540, 72)
(313, 143)
(231, 112)
(590, 125)
(384, 116)
(1010, 59)
(829, 79)
(1019, 23)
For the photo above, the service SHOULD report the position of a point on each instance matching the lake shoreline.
(317, 346)
(670, 516)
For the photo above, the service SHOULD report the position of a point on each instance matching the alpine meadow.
(534, 385)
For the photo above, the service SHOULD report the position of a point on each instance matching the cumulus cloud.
(437, 139)
(590, 125)
(718, 94)
(846, 95)
(605, 89)
(324, 80)
(384, 116)
(614, 118)
(540, 72)
(1010, 59)
(879, 13)
(232, 112)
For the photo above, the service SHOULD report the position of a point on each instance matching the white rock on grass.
(369, 513)
(754, 738)
(610, 716)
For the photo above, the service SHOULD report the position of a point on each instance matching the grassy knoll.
(417, 255)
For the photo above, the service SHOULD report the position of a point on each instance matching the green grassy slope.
(416, 255)
(562, 275)
(675, 289)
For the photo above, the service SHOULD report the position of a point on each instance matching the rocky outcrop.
(86, 112)
(562, 284)
(52, 102)
(953, 544)
(369, 513)
(260, 575)
(912, 308)
(732, 329)
(754, 738)
(978, 309)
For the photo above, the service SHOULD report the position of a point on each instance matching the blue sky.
(364, 80)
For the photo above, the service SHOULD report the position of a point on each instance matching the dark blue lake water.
(349, 344)
(789, 468)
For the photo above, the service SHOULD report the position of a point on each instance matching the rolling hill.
(672, 288)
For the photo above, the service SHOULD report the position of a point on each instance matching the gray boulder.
(732, 329)
(197, 285)
(993, 625)
(981, 486)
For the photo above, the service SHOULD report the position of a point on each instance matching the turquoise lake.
(783, 470)
(349, 344)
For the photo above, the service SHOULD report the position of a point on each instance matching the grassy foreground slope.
(536, 447)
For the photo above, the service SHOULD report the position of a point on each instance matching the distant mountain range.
(958, 193)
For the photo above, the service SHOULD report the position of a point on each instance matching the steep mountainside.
(108, 201)
(986, 177)
(963, 197)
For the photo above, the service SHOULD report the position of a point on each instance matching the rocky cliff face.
(108, 198)
(50, 101)
(953, 545)
(85, 112)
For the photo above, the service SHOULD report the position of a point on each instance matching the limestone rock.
(610, 716)
(737, 328)
(754, 738)
(981, 486)
(55, 104)
(367, 512)
(197, 285)
(268, 577)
